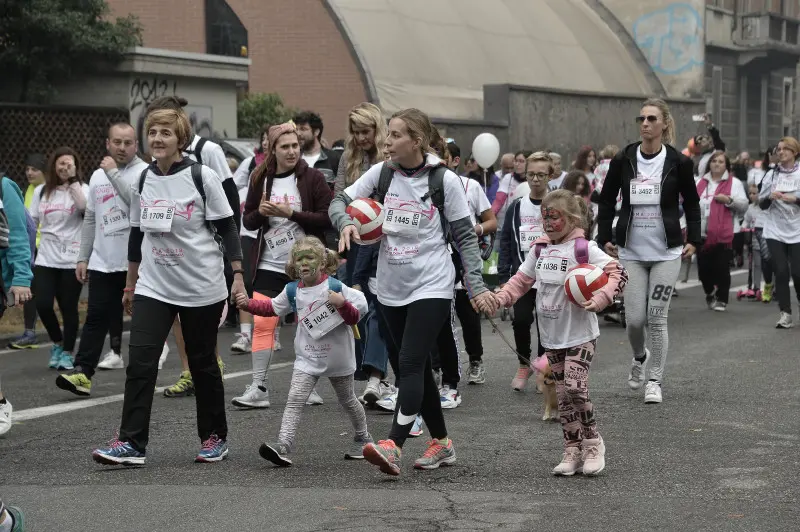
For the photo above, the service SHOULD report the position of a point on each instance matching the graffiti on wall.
(671, 38)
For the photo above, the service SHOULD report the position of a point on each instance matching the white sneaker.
(594, 456)
(387, 403)
(163, 357)
(638, 370)
(314, 399)
(571, 462)
(652, 392)
(450, 398)
(5, 417)
(111, 360)
(785, 321)
(372, 393)
(242, 343)
(254, 396)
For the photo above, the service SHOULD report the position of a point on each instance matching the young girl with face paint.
(324, 342)
(568, 333)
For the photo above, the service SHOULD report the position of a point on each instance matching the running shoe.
(594, 456)
(520, 380)
(416, 429)
(719, 306)
(652, 392)
(17, 517)
(477, 373)
(163, 357)
(638, 370)
(785, 321)
(277, 453)
(55, 356)
(357, 450)
(385, 454)
(372, 393)
(111, 360)
(449, 397)
(437, 454)
(183, 388)
(76, 382)
(65, 363)
(212, 450)
(254, 396)
(766, 294)
(26, 340)
(5, 416)
(314, 399)
(387, 403)
(118, 453)
(242, 344)
(571, 462)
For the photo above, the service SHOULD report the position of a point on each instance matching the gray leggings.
(300, 389)
(647, 297)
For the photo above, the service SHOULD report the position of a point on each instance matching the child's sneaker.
(571, 462)
(357, 451)
(385, 454)
(594, 456)
(277, 453)
(438, 454)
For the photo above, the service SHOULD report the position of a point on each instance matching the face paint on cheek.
(554, 221)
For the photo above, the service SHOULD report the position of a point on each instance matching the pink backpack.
(581, 250)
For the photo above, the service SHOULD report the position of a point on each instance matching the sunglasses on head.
(649, 118)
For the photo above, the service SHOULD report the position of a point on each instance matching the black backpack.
(198, 152)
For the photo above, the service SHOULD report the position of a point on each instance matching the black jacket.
(510, 257)
(328, 165)
(677, 181)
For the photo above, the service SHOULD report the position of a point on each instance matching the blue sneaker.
(65, 362)
(26, 340)
(118, 453)
(416, 428)
(212, 450)
(56, 353)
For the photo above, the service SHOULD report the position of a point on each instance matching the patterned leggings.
(300, 389)
(570, 369)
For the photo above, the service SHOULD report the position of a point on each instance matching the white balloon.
(485, 149)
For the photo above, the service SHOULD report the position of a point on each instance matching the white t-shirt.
(476, 198)
(781, 220)
(707, 198)
(312, 159)
(755, 176)
(283, 232)
(702, 165)
(508, 185)
(647, 238)
(181, 262)
(414, 262)
(530, 223)
(242, 174)
(562, 324)
(242, 200)
(556, 183)
(334, 354)
(60, 224)
(213, 156)
(112, 227)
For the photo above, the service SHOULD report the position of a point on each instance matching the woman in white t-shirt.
(652, 176)
(57, 208)
(181, 222)
(509, 187)
(780, 200)
(415, 277)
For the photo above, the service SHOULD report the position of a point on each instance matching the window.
(225, 33)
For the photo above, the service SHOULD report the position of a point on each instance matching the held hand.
(108, 164)
(611, 249)
(336, 299)
(688, 251)
(788, 198)
(237, 288)
(722, 198)
(20, 295)
(776, 195)
(591, 306)
(485, 302)
(242, 301)
(349, 234)
(80, 272)
(127, 302)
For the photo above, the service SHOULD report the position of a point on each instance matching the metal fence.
(26, 129)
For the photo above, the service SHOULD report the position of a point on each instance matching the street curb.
(43, 338)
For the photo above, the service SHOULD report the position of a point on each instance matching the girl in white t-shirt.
(57, 208)
(568, 333)
(324, 344)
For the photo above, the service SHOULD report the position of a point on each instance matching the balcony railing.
(766, 29)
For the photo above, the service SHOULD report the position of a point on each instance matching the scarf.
(719, 228)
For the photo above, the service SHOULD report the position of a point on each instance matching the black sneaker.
(277, 453)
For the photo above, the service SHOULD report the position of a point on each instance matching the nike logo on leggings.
(403, 419)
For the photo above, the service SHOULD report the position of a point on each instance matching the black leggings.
(104, 315)
(150, 326)
(410, 333)
(785, 263)
(61, 285)
(470, 326)
(524, 318)
(714, 271)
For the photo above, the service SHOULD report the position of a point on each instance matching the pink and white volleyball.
(367, 215)
(583, 281)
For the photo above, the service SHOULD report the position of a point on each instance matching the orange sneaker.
(520, 380)
(385, 454)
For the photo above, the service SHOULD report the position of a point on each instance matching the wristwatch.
(238, 271)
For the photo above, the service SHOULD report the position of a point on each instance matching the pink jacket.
(520, 283)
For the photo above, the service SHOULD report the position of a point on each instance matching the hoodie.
(15, 260)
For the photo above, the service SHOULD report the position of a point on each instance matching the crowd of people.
(187, 240)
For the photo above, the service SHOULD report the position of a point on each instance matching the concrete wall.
(671, 36)
(465, 131)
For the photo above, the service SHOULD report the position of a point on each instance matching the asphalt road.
(719, 454)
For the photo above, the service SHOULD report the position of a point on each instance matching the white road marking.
(52, 410)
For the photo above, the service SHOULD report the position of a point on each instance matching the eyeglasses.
(539, 176)
(650, 118)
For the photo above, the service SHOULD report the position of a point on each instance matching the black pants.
(714, 270)
(444, 356)
(524, 317)
(410, 333)
(29, 309)
(103, 316)
(152, 321)
(470, 326)
(61, 285)
(785, 263)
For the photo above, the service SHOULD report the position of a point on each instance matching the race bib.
(552, 270)
(158, 218)
(645, 193)
(399, 222)
(322, 320)
(70, 249)
(115, 221)
(787, 184)
(280, 244)
(528, 235)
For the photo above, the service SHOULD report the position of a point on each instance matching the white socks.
(246, 329)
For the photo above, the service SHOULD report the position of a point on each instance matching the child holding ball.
(568, 333)
(324, 344)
